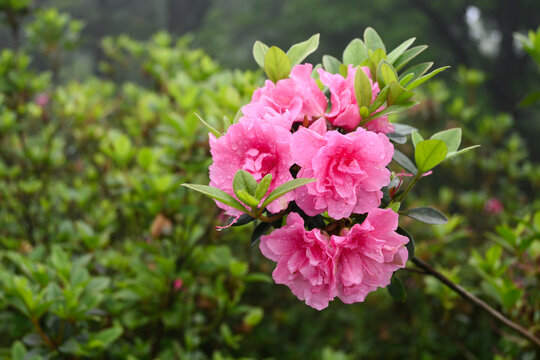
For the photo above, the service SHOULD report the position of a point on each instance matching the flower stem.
(43, 336)
(410, 186)
(476, 301)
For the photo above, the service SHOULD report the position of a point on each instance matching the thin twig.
(475, 300)
(417, 271)
(43, 336)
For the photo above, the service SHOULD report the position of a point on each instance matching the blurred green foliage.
(104, 255)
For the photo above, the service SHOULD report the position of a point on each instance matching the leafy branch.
(475, 300)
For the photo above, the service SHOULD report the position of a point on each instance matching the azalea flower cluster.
(291, 130)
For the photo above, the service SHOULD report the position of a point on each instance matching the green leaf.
(285, 188)
(362, 88)
(379, 100)
(218, 195)
(263, 186)
(416, 137)
(397, 93)
(429, 153)
(418, 70)
(247, 199)
(396, 53)
(405, 79)
(427, 215)
(373, 62)
(461, 152)
(105, 337)
(451, 137)
(237, 116)
(331, 64)
(226, 123)
(212, 129)
(244, 181)
(343, 70)
(530, 99)
(404, 162)
(410, 244)
(298, 52)
(18, 351)
(373, 40)
(385, 74)
(403, 129)
(259, 52)
(400, 133)
(276, 64)
(259, 231)
(396, 108)
(396, 289)
(425, 78)
(242, 220)
(408, 55)
(355, 53)
(397, 138)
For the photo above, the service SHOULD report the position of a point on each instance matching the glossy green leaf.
(372, 40)
(355, 53)
(285, 188)
(385, 74)
(362, 88)
(276, 64)
(397, 138)
(416, 70)
(403, 129)
(416, 137)
(298, 52)
(379, 100)
(428, 154)
(259, 52)
(461, 152)
(397, 94)
(218, 195)
(239, 221)
(425, 78)
(331, 64)
(427, 215)
(451, 137)
(404, 162)
(374, 60)
(396, 108)
(263, 186)
(405, 79)
(212, 129)
(247, 198)
(408, 55)
(396, 53)
(244, 181)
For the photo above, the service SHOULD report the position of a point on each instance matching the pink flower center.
(259, 163)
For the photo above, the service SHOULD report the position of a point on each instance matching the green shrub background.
(103, 255)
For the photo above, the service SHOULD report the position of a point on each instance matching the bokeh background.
(104, 255)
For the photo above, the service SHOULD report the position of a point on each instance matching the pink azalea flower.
(367, 255)
(258, 147)
(304, 261)
(494, 206)
(288, 100)
(350, 171)
(177, 284)
(345, 112)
